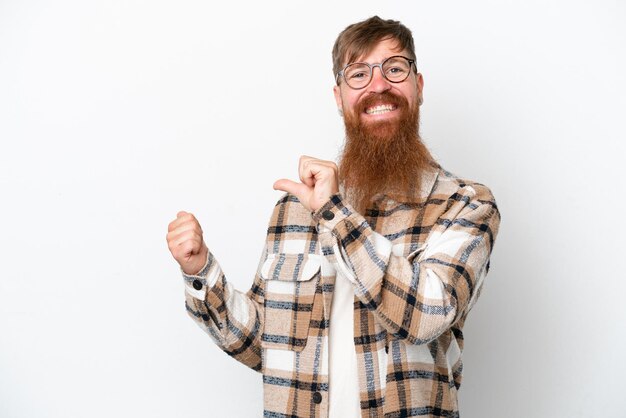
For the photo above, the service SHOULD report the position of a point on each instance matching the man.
(369, 270)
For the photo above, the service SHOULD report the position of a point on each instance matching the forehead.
(377, 52)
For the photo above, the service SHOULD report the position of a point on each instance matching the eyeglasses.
(358, 75)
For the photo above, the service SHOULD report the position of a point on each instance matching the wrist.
(196, 268)
(325, 210)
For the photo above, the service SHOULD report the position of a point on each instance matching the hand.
(184, 239)
(319, 182)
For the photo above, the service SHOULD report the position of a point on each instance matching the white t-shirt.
(344, 400)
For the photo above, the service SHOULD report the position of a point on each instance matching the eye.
(358, 75)
(357, 72)
(396, 70)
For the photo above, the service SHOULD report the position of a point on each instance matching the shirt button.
(197, 284)
(328, 215)
(317, 397)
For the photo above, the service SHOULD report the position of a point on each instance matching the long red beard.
(385, 157)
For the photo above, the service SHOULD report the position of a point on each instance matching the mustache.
(387, 97)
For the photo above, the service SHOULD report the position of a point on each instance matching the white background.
(116, 114)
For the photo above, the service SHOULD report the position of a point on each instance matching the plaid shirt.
(417, 269)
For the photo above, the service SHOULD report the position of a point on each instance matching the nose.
(379, 83)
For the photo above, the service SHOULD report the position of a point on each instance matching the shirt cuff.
(198, 284)
(331, 213)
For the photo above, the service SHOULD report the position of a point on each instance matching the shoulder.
(465, 204)
(450, 186)
(462, 200)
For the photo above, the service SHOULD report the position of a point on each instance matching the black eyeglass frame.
(380, 66)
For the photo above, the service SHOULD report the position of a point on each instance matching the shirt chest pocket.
(291, 282)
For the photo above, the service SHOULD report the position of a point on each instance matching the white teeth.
(376, 110)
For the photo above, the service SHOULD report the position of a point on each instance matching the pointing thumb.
(298, 189)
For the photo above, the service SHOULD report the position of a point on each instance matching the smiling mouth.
(380, 109)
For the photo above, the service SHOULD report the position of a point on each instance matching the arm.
(234, 320)
(419, 297)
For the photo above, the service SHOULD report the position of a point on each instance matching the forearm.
(234, 320)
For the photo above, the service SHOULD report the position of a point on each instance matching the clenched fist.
(184, 239)
(319, 182)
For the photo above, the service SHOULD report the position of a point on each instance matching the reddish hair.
(360, 38)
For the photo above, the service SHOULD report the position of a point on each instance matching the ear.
(337, 92)
(419, 80)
